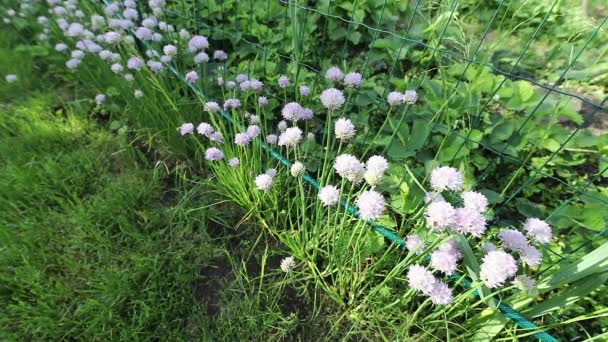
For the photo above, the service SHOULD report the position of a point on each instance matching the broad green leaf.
(578, 290)
(337, 33)
(502, 131)
(403, 130)
(115, 124)
(490, 328)
(479, 161)
(594, 70)
(455, 70)
(493, 196)
(525, 90)
(354, 37)
(387, 221)
(451, 149)
(405, 189)
(528, 208)
(398, 151)
(365, 98)
(476, 135)
(550, 144)
(385, 44)
(594, 262)
(571, 115)
(348, 6)
(359, 15)
(594, 217)
(420, 132)
(506, 91)
(433, 88)
(584, 139)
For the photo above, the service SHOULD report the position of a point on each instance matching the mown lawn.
(89, 248)
(99, 242)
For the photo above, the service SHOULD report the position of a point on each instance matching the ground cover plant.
(420, 194)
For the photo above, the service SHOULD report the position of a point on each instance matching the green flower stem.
(386, 120)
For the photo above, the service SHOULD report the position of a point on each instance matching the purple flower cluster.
(443, 216)
(423, 280)
(232, 104)
(445, 258)
(332, 99)
(516, 241)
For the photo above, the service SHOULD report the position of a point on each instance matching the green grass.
(96, 243)
(89, 249)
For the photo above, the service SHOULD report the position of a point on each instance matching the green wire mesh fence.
(480, 95)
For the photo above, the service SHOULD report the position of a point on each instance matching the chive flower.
(410, 97)
(211, 107)
(332, 98)
(394, 98)
(283, 81)
(420, 279)
(197, 43)
(470, 221)
(10, 78)
(513, 239)
(297, 169)
(329, 195)
(216, 137)
(234, 162)
(496, 268)
(414, 243)
(264, 182)
(272, 139)
(205, 129)
(440, 216)
(304, 90)
(220, 55)
(191, 77)
(100, 99)
(447, 178)
(135, 63)
(292, 111)
(242, 139)
(344, 129)
(353, 79)
(375, 168)
(262, 101)
(291, 137)
(349, 167)
(201, 57)
(538, 230)
(475, 200)
(334, 74)
(170, 50)
(213, 154)
(288, 264)
(371, 205)
(186, 128)
(441, 294)
(531, 256)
